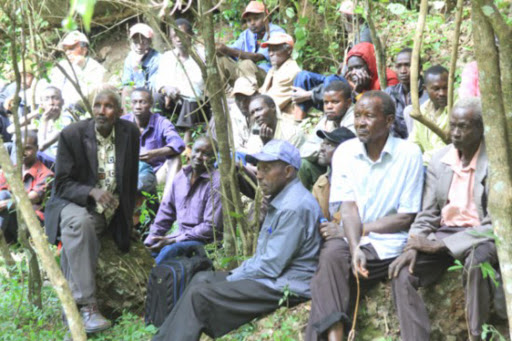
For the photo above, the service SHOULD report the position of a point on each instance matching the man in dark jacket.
(94, 192)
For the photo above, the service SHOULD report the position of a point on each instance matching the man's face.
(202, 156)
(370, 122)
(262, 114)
(141, 104)
(75, 52)
(272, 177)
(255, 22)
(51, 101)
(106, 110)
(403, 67)
(242, 102)
(327, 149)
(27, 78)
(29, 152)
(437, 89)
(357, 63)
(465, 131)
(335, 105)
(140, 44)
(175, 39)
(279, 54)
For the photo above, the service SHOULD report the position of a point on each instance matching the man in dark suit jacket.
(94, 192)
(454, 224)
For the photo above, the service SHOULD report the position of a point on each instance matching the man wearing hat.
(286, 257)
(279, 81)
(141, 64)
(253, 58)
(79, 67)
(239, 113)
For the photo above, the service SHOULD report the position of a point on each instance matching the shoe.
(93, 320)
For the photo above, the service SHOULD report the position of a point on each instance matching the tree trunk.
(455, 50)
(380, 50)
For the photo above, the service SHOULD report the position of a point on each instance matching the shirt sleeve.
(40, 183)
(172, 138)
(341, 182)
(240, 42)
(282, 243)
(410, 199)
(164, 219)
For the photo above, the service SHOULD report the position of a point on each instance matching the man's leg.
(248, 69)
(215, 306)
(8, 221)
(169, 252)
(411, 310)
(308, 80)
(479, 290)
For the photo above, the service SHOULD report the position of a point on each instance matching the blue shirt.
(142, 75)
(248, 42)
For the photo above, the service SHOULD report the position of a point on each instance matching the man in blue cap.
(286, 257)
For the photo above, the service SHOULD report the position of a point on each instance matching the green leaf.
(458, 265)
(488, 10)
(290, 13)
(397, 9)
(86, 9)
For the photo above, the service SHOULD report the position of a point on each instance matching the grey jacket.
(288, 243)
(435, 197)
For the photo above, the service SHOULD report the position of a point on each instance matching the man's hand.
(104, 198)
(330, 229)
(148, 155)
(408, 258)
(4, 204)
(359, 263)
(300, 95)
(359, 80)
(50, 113)
(420, 243)
(266, 133)
(160, 243)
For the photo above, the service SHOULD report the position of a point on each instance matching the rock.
(121, 278)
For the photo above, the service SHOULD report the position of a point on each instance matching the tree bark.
(496, 124)
(380, 51)
(6, 254)
(455, 50)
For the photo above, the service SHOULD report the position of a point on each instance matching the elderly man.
(269, 125)
(401, 92)
(436, 86)
(453, 224)
(160, 144)
(253, 58)
(338, 112)
(78, 67)
(285, 258)
(375, 213)
(194, 202)
(94, 192)
(279, 80)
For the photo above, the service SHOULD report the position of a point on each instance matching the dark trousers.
(215, 306)
(333, 288)
(8, 221)
(412, 313)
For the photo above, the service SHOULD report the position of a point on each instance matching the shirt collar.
(452, 159)
(205, 175)
(32, 171)
(103, 140)
(389, 149)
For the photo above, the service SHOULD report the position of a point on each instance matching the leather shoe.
(93, 320)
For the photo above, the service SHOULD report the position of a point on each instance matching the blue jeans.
(169, 252)
(308, 80)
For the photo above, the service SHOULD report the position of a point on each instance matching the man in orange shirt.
(454, 224)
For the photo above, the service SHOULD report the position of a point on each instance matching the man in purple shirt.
(194, 202)
(160, 144)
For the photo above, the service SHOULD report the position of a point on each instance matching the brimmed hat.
(278, 39)
(244, 86)
(277, 150)
(337, 136)
(254, 7)
(347, 7)
(143, 29)
(74, 37)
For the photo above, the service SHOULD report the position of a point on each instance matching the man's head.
(202, 155)
(263, 109)
(337, 100)
(106, 109)
(186, 28)
(51, 100)
(436, 84)
(373, 116)
(243, 90)
(30, 147)
(27, 73)
(76, 45)
(280, 48)
(403, 66)
(466, 124)
(142, 101)
(140, 38)
(278, 164)
(255, 15)
(331, 141)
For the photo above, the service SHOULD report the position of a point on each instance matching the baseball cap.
(143, 29)
(244, 86)
(338, 135)
(347, 7)
(277, 150)
(74, 37)
(278, 39)
(254, 7)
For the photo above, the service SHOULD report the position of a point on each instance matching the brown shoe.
(93, 320)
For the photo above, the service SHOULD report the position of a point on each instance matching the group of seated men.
(348, 200)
